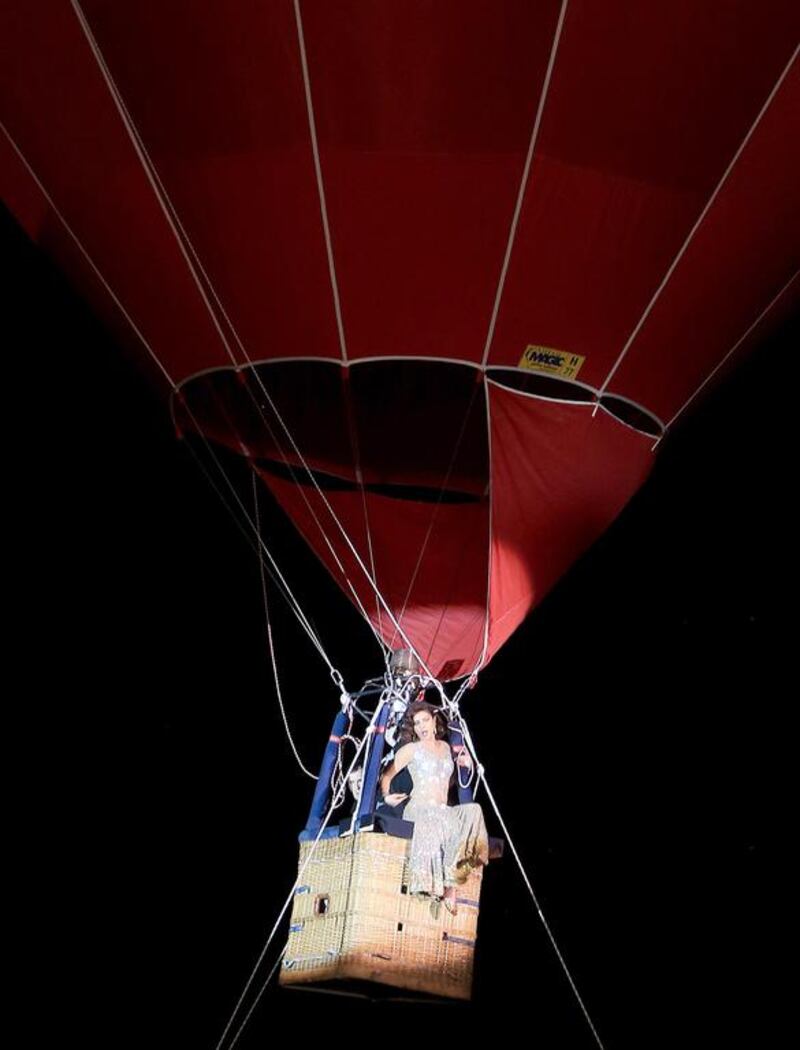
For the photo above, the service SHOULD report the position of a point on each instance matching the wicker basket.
(353, 919)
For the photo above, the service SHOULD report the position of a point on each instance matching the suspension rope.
(489, 493)
(257, 999)
(196, 268)
(454, 576)
(450, 466)
(346, 538)
(278, 580)
(335, 802)
(300, 488)
(285, 590)
(354, 445)
(523, 184)
(117, 302)
(138, 147)
(145, 343)
(689, 237)
(337, 773)
(323, 207)
(733, 349)
(307, 772)
(283, 586)
(170, 213)
(188, 252)
(312, 127)
(468, 739)
(303, 619)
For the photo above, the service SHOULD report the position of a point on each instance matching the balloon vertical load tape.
(355, 921)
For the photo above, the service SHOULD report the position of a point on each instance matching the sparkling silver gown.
(448, 840)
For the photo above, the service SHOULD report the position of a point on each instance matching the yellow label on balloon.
(551, 362)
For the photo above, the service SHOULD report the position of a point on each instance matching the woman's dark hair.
(406, 734)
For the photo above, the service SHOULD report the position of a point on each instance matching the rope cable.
(273, 660)
(196, 268)
(698, 222)
(335, 802)
(527, 881)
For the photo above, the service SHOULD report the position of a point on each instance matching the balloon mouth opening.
(406, 429)
(309, 478)
(632, 415)
(557, 388)
(535, 384)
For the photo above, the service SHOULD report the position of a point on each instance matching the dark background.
(632, 730)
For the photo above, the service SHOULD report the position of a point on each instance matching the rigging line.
(372, 563)
(119, 305)
(135, 140)
(187, 249)
(523, 184)
(335, 802)
(161, 198)
(454, 576)
(343, 531)
(281, 584)
(296, 605)
(665, 279)
(301, 490)
(354, 444)
(257, 999)
(165, 200)
(445, 482)
(233, 330)
(490, 495)
(156, 360)
(282, 588)
(548, 931)
(89, 260)
(187, 241)
(188, 244)
(337, 772)
(735, 347)
(261, 566)
(247, 535)
(286, 594)
(312, 126)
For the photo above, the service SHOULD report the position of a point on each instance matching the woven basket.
(354, 919)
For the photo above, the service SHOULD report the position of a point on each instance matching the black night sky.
(631, 730)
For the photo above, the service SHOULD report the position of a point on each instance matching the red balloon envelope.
(477, 255)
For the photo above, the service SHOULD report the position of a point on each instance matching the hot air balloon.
(445, 274)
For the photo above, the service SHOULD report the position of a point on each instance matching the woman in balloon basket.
(448, 841)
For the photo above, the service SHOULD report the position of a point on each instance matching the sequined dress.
(448, 840)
